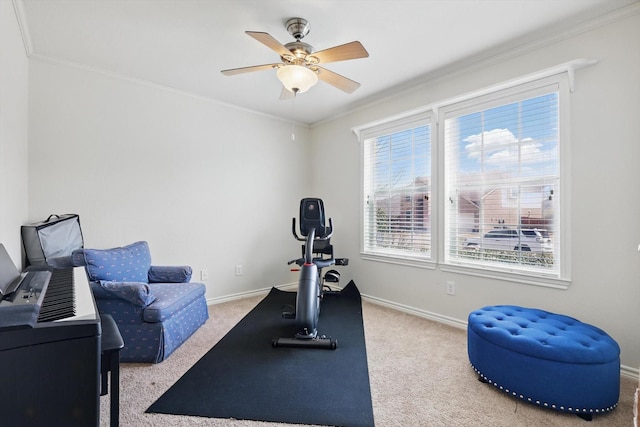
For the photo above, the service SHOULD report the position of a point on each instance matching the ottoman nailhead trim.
(545, 404)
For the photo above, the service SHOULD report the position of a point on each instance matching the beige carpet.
(419, 374)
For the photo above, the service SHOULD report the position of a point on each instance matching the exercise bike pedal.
(288, 315)
(332, 276)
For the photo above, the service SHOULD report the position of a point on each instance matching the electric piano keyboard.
(68, 297)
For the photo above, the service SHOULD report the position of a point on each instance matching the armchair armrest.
(135, 293)
(169, 274)
(99, 292)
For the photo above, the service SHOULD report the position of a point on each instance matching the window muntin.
(397, 190)
(502, 177)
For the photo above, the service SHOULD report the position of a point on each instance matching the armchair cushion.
(171, 298)
(136, 293)
(129, 263)
(169, 274)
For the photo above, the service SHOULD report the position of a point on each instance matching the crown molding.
(511, 49)
(517, 47)
(158, 86)
(18, 7)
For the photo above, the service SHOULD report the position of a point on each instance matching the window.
(497, 205)
(397, 189)
(502, 181)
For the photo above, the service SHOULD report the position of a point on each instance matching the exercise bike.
(317, 253)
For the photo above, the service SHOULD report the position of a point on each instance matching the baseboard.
(629, 372)
(625, 371)
(249, 294)
(456, 323)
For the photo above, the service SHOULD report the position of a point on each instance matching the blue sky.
(520, 138)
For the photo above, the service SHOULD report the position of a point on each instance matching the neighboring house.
(408, 210)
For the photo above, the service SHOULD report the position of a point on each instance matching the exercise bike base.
(323, 343)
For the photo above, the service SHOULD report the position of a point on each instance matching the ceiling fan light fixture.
(296, 78)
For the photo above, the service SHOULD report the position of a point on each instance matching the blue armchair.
(156, 308)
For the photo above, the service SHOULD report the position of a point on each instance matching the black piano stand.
(112, 343)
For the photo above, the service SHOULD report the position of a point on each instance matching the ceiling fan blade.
(234, 71)
(267, 40)
(353, 50)
(286, 94)
(335, 79)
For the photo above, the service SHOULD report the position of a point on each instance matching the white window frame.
(409, 120)
(561, 277)
(564, 76)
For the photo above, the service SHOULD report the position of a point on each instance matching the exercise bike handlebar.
(308, 252)
(320, 263)
(302, 239)
(308, 255)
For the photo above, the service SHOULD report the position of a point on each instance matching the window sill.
(399, 260)
(532, 278)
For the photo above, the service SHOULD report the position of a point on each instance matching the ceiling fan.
(300, 69)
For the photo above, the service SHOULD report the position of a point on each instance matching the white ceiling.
(183, 44)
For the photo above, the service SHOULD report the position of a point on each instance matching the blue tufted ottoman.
(547, 359)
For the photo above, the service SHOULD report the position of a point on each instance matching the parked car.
(505, 239)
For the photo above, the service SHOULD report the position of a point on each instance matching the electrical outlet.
(451, 287)
(239, 270)
(204, 274)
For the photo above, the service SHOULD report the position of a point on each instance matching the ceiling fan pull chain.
(293, 124)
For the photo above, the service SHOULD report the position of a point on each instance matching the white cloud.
(501, 147)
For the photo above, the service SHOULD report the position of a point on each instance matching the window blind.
(397, 190)
(502, 181)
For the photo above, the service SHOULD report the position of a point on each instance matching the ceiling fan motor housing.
(300, 51)
(298, 27)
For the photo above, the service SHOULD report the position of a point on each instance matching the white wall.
(13, 132)
(205, 184)
(605, 202)
(213, 186)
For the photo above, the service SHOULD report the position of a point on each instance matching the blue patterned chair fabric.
(156, 308)
(547, 359)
